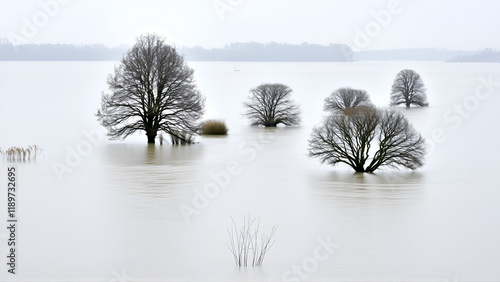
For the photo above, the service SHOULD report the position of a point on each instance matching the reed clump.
(214, 127)
(247, 245)
(181, 138)
(15, 153)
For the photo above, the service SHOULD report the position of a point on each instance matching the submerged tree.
(349, 139)
(270, 105)
(153, 90)
(344, 99)
(408, 89)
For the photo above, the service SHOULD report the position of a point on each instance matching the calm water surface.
(117, 212)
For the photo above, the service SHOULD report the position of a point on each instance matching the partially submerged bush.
(213, 127)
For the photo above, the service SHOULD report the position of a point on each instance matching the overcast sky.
(363, 24)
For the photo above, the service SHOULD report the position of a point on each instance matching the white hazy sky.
(452, 24)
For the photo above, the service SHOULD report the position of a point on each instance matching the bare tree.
(344, 99)
(349, 139)
(152, 89)
(400, 145)
(409, 89)
(270, 105)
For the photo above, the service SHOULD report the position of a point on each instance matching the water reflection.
(397, 189)
(146, 176)
(151, 154)
(117, 154)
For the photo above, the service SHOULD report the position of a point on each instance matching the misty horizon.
(248, 51)
(128, 45)
(365, 25)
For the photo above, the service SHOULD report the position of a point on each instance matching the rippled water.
(117, 214)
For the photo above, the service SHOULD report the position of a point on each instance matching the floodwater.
(94, 209)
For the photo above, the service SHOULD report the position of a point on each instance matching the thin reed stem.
(244, 241)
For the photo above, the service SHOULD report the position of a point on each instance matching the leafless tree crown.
(344, 99)
(408, 89)
(351, 139)
(152, 90)
(270, 105)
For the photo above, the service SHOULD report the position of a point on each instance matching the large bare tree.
(368, 140)
(270, 105)
(152, 90)
(344, 99)
(408, 89)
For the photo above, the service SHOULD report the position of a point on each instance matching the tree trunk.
(151, 137)
(359, 169)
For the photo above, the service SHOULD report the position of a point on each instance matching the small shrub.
(213, 127)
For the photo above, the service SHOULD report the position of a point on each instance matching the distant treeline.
(234, 52)
(264, 52)
(421, 54)
(272, 52)
(487, 55)
(60, 52)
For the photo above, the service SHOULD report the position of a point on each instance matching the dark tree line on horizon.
(487, 55)
(60, 52)
(233, 52)
(249, 51)
(273, 51)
